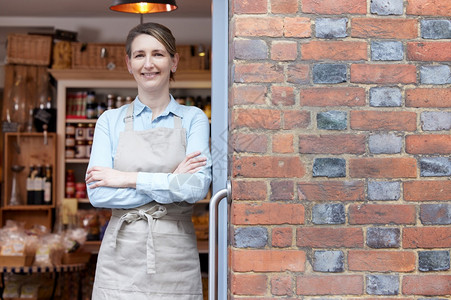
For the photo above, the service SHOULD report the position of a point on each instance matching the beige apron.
(149, 252)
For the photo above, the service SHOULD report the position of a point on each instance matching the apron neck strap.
(177, 122)
(129, 117)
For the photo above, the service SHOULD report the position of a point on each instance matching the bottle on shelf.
(30, 185)
(70, 183)
(48, 185)
(39, 182)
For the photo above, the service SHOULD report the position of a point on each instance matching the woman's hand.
(103, 176)
(191, 163)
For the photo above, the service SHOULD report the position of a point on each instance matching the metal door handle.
(213, 240)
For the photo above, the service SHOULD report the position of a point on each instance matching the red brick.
(249, 284)
(384, 28)
(283, 143)
(268, 167)
(427, 190)
(330, 285)
(347, 96)
(297, 27)
(282, 95)
(258, 72)
(381, 261)
(383, 120)
(334, 7)
(400, 167)
(248, 94)
(384, 298)
(425, 97)
(282, 237)
(284, 51)
(427, 285)
(249, 6)
(248, 142)
(426, 237)
(325, 237)
(268, 260)
(332, 144)
(429, 51)
(334, 50)
(293, 119)
(282, 190)
(281, 285)
(258, 26)
(331, 191)
(248, 190)
(429, 7)
(267, 213)
(428, 144)
(381, 214)
(256, 118)
(284, 6)
(376, 73)
(298, 74)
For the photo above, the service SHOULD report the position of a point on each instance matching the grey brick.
(385, 96)
(435, 214)
(440, 74)
(436, 120)
(435, 166)
(328, 261)
(329, 213)
(332, 120)
(329, 167)
(251, 49)
(387, 50)
(385, 143)
(382, 284)
(328, 28)
(433, 260)
(384, 190)
(387, 7)
(383, 237)
(436, 29)
(329, 73)
(251, 237)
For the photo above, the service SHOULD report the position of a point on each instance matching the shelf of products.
(85, 94)
(28, 196)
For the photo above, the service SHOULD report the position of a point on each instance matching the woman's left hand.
(103, 176)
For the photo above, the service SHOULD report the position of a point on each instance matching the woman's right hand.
(191, 163)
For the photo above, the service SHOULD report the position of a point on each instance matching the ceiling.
(93, 8)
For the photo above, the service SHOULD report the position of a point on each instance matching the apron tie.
(150, 215)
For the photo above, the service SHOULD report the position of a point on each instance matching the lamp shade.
(143, 7)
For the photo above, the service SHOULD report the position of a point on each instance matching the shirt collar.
(173, 107)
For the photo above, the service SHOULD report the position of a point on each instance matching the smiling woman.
(150, 161)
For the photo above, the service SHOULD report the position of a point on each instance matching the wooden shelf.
(84, 121)
(26, 207)
(77, 160)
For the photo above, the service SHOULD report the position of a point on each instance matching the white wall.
(187, 31)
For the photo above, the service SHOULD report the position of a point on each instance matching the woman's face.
(150, 63)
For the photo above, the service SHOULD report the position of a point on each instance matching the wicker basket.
(98, 56)
(29, 49)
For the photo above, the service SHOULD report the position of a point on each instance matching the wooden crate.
(29, 49)
(98, 56)
(190, 60)
(16, 260)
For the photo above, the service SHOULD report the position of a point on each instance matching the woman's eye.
(139, 55)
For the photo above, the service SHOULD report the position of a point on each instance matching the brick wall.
(340, 122)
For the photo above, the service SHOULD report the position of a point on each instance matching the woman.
(140, 168)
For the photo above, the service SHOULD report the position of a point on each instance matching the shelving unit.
(28, 149)
(111, 81)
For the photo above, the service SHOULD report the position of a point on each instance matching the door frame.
(220, 129)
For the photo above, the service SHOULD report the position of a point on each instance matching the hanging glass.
(17, 112)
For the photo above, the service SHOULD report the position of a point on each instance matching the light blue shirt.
(160, 187)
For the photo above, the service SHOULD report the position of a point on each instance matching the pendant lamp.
(143, 7)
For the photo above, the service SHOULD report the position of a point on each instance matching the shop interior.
(62, 65)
